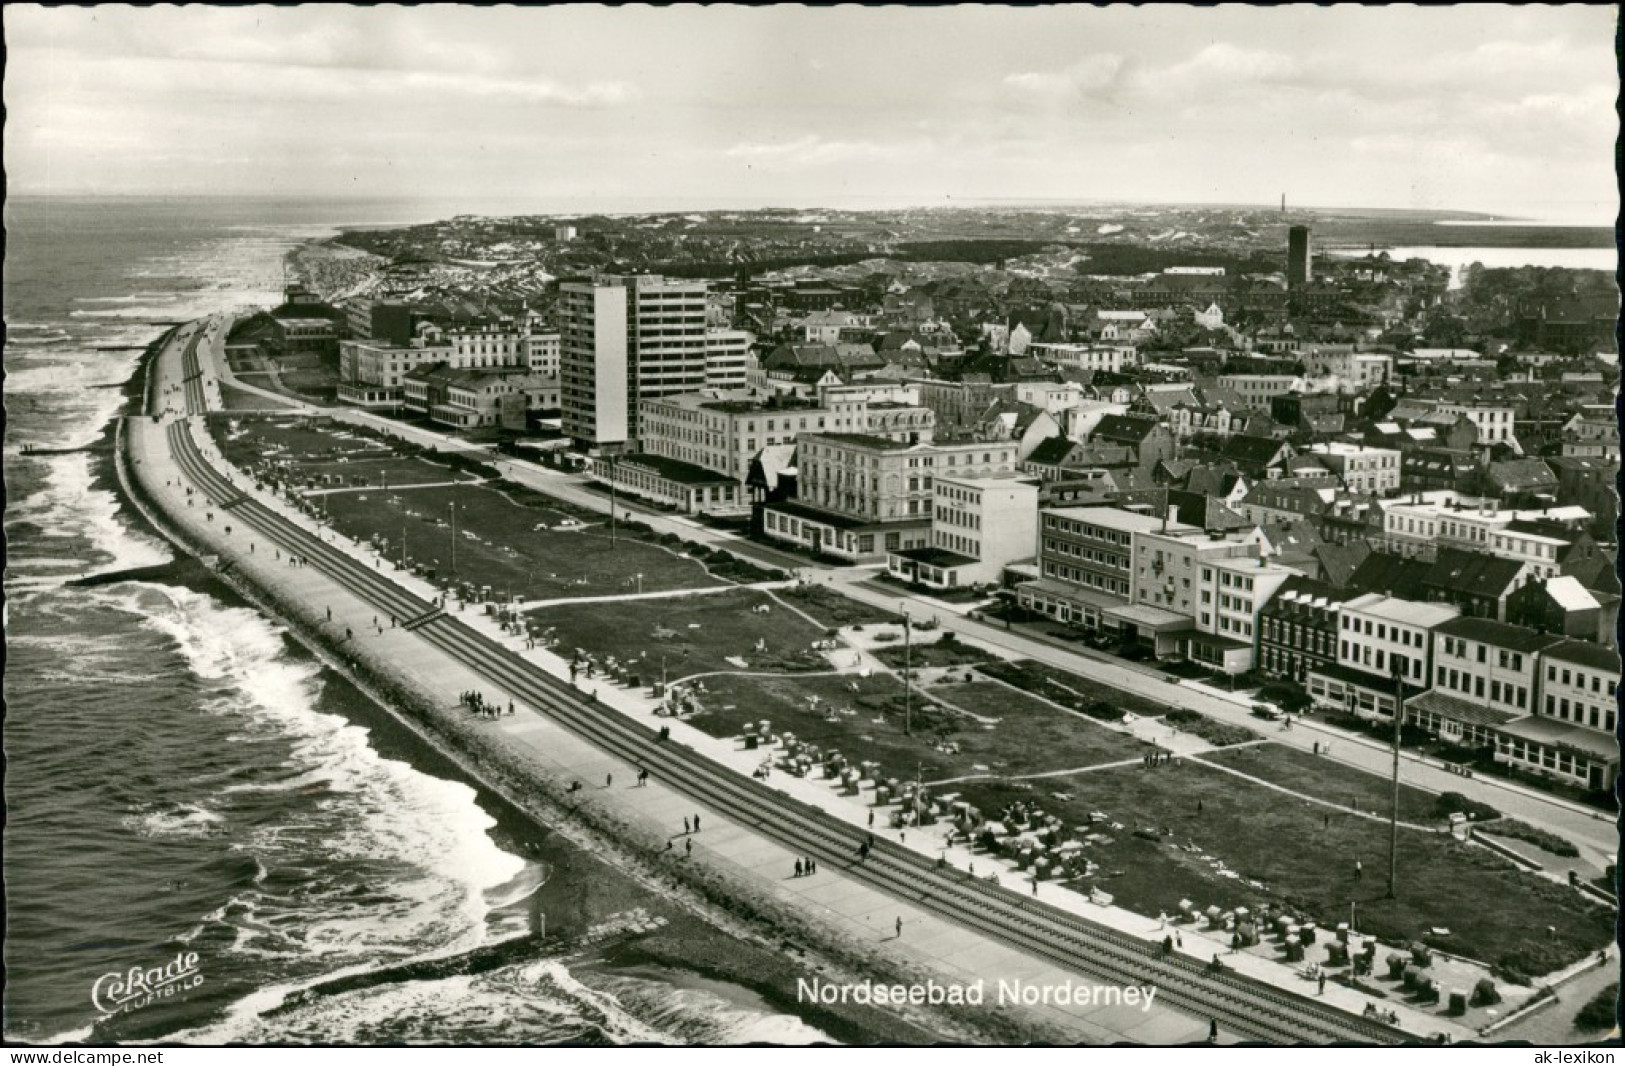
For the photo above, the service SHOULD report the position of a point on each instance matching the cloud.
(1093, 76)
(814, 150)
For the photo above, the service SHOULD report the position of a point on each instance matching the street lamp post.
(611, 461)
(453, 506)
(1393, 817)
(908, 671)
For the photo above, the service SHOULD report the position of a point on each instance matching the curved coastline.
(768, 944)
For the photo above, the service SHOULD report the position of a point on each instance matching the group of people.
(477, 703)
(806, 867)
(1155, 758)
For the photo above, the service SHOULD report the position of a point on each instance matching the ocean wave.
(404, 861)
(70, 506)
(185, 821)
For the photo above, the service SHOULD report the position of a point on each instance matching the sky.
(1473, 107)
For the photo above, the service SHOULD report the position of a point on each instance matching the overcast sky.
(1474, 107)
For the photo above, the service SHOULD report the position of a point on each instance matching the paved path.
(667, 594)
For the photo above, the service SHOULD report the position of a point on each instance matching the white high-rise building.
(622, 339)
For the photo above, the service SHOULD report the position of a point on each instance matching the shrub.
(1516, 830)
(1214, 732)
(1602, 1012)
(1450, 803)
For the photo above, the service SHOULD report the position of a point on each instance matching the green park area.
(1332, 782)
(688, 635)
(515, 549)
(1190, 831)
(833, 610)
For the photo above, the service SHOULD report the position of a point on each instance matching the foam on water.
(70, 505)
(416, 846)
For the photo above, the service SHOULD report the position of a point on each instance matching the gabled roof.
(1053, 451)
(1389, 574)
(1473, 573)
(1501, 635)
(1126, 429)
(1338, 562)
(1264, 451)
(1585, 653)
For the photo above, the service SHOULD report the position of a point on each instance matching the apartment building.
(1112, 358)
(1420, 525)
(1232, 593)
(1298, 628)
(1379, 638)
(726, 354)
(1571, 734)
(1363, 470)
(1485, 674)
(624, 339)
(979, 526)
(862, 496)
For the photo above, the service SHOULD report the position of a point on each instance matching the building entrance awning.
(1150, 619)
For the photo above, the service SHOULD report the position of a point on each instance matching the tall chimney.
(1170, 516)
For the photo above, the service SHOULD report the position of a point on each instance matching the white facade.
(593, 357)
(1232, 593)
(1493, 421)
(726, 351)
(1108, 357)
(1419, 525)
(992, 520)
(1362, 470)
(1378, 634)
(1168, 567)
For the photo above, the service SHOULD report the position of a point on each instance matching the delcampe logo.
(116, 992)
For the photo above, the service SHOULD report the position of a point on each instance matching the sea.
(1458, 259)
(186, 787)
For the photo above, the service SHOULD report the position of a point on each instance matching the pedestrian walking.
(609, 779)
(1035, 886)
(812, 866)
(871, 819)
(1213, 1031)
(1322, 984)
(688, 847)
(696, 823)
(685, 827)
(899, 925)
(798, 867)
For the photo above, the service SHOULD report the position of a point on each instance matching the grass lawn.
(1031, 736)
(376, 470)
(936, 653)
(727, 626)
(1496, 913)
(835, 610)
(510, 554)
(1316, 775)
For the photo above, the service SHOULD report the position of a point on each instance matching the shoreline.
(754, 959)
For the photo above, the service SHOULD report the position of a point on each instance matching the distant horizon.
(481, 206)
